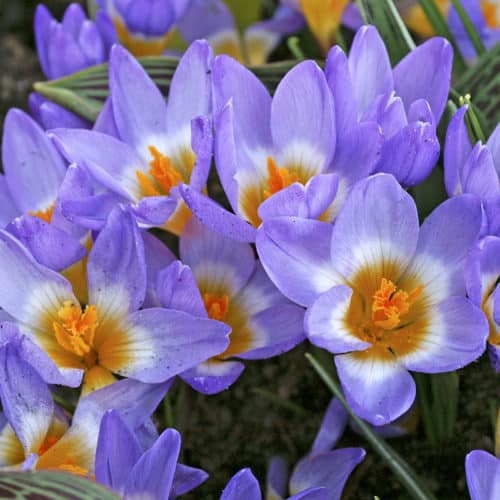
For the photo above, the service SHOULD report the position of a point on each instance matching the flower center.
(389, 304)
(279, 178)
(162, 175)
(45, 215)
(216, 305)
(75, 330)
(489, 10)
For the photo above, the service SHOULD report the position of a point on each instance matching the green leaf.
(392, 29)
(51, 485)
(440, 26)
(482, 81)
(84, 92)
(401, 469)
(245, 12)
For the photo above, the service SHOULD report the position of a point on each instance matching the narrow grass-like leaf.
(440, 26)
(401, 469)
(392, 29)
(469, 27)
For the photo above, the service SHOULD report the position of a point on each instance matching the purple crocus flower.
(320, 475)
(144, 26)
(36, 433)
(474, 169)
(64, 48)
(407, 101)
(481, 277)
(160, 144)
(225, 282)
(212, 20)
(382, 294)
(123, 465)
(279, 156)
(111, 335)
(482, 471)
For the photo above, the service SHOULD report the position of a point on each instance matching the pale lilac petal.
(154, 210)
(296, 256)
(379, 391)
(105, 122)
(186, 479)
(483, 475)
(331, 429)
(213, 376)
(42, 23)
(8, 209)
(242, 485)
(494, 147)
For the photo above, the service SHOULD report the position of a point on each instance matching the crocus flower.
(144, 26)
(110, 335)
(212, 20)
(224, 281)
(407, 101)
(37, 434)
(123, 465)
(278, 156)
(481, 277)
(159, 145)
(474, 169)
(64, 48)
(323, 472)
(482, 471)
(382, 294)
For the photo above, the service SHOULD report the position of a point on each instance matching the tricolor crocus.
(110, 334)
(225, 282)
(160, 144)
(123, 465)
(382, 294)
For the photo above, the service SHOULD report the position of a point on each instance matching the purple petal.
(370, 67)
(8, 209)
(213, 376)
(51, 115)
(186, 479)
(277, 478)
(242, 485)
(154, 210)
(153, 474)
(42, 23)
(379, 391)
(73, 18)
(494, 147)
(64, 55)
(330, 470)
(425, 73)
(105, 122)
(117, 452)
(116, 267)
(140, 109)
(483, 475)
(332, 427)
(28, 153)
(202, 145)
(296, 256)
(479, 176)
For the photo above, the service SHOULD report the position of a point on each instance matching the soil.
(277, 405)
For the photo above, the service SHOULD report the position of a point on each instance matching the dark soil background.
(277, 405)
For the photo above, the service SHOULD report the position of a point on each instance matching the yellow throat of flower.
(279, 178)
(217, 306)
(45, 215)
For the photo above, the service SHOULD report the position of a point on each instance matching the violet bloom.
(482, 273)
(36, 433)
(407, 101)
(64, 48)
(144, 26)
(279, 156)
(382, 294)
(225, 282)
(122, 464)
(212, 20)
(474, 169)
(483, 475)
(110, 335)
(159, 145)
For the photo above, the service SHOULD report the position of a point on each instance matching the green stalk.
(470, 28)
(403, 471)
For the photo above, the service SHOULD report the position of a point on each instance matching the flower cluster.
(319, 239)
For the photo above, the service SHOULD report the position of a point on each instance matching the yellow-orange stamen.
(48, 443)
(75, 469)
(216, 305)
(45, 215)
(162, 176)
(279, 178)
(389, 304)
(76, 329)
(489, 10)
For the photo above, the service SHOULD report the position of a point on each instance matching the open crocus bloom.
(226, 283)
(108, 335)
(158, 146)
(483, 475)
(481, 277)
(144, 26)
(383, 295)
(123, 465)
(37, 433)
